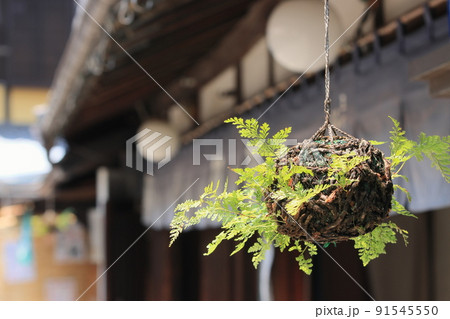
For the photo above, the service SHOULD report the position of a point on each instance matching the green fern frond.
(304, 263)
(437, 149)
(341, 165)
(400, 209)
(258, 136)
(372, 245)
(298, 197)
(404, 190)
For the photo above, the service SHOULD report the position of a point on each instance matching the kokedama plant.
(305, 196)
(327, 189)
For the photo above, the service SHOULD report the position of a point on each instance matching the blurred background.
(86, 197)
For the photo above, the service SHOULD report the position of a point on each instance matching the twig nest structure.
(337, 213)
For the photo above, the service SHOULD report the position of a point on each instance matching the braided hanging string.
(327, 126)
(327, 102)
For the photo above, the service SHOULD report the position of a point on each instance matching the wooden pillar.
(163, 272)
(225, 277)
(330, 282)
(289, 282)
(118, 198)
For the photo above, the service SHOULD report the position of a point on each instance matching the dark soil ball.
(337, 213)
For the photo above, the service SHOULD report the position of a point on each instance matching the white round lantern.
(159, 142)
(295, 35)
(178, 119)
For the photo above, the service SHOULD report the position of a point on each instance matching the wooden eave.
(165, 41)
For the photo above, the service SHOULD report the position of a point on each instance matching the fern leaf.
(404, 190)
(400, 209)
(372, 245)
(437, 149)
(304, 263)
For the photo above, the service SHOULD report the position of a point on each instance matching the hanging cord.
(327, 126)
(327, 101)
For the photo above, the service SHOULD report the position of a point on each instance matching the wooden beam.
(229, 52)
(194, 18)
(160, 57)
(425, 67)
(440, 85)
(113, 95)
(162, 48)
(433, 67)
(73, 195)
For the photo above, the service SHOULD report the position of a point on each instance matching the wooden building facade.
(193, 63)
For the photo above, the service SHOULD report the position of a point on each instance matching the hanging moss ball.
(337, 213)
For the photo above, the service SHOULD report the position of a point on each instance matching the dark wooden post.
(118, 197)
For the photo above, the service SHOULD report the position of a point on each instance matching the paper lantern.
(160, 143)
(179, 120)
(295, 35)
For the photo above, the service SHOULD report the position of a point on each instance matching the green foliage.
(400, 209)
(373, 244)
(401, 147)
(243, 212)
(341, 165)
(258, 135)
(304, 263)
(373, 142)
(298, 196)
(436, 148)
